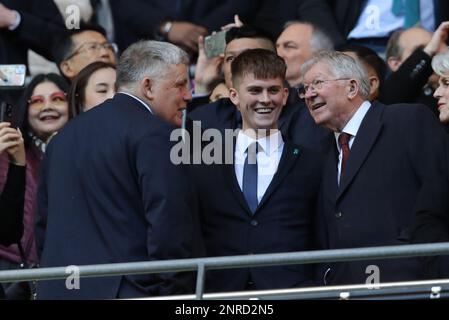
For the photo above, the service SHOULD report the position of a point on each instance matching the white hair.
(341, 66)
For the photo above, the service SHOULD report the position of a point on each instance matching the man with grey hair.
(109, 192)
(297, 43)
(378, 172)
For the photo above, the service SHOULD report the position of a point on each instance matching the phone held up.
(12, 76)
(215, 44)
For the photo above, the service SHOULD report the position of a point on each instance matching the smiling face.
(442, 94)
(169, 96)
(260, 101)
(100, 87)
(48, 110)
(331, 105)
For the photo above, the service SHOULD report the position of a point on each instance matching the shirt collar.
(268, 144)
(353, 125)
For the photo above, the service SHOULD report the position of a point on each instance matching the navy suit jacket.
(283, 221)
(109, 193)
(397, 153)
(295, 122)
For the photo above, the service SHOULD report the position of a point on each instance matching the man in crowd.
(294, 122)
(263, 200)
(380, 169)
(109, 191)
(409, 56)
(296, 44)
(80, 48)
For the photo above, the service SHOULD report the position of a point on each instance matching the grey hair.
(440, 64)
(319, 40)
(341, 66)
(148, 58)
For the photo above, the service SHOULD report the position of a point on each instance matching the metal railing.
(201, 265)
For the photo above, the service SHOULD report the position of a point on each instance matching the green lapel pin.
(296, 151)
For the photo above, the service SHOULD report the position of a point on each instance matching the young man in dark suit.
(109, 191)
(263, 199)
(380, 170)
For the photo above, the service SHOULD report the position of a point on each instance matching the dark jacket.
(398, 152)
(110, 193)
(283, 221)
(11, 253)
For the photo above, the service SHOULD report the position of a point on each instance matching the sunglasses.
(56, 99)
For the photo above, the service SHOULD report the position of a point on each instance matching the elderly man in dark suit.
(262, 200)
(378, 172)
(109, 191)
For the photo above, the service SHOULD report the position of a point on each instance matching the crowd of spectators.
(316, 71)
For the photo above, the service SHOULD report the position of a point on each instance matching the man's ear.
(393, 63)
(146, 88)
(375, 84)
(66, 70)
(353, 88)
(234, 96)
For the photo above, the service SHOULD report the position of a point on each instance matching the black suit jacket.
(339, 17)
(283, 221)
(109, 193)
(139, 19)
(397, 153)
(41, 24)
(408, 83)
(295, 122)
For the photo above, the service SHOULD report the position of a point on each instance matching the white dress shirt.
(268, 157)
(352, 127)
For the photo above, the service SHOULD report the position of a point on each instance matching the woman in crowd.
(440, 65)
(43, 110)
(93, 85)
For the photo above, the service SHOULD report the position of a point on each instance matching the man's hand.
(186, 35)
(207, 69)
(438, 41)
(7, 17)
(237, 24)
(11, 141)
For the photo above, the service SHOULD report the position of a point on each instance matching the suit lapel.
(366, 137)
(330, 173)
(289, 157)
(228, 171)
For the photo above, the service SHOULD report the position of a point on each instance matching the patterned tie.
(343, 141)
(411, 10)
(250, 177)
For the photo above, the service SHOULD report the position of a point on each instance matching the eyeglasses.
(56, 99)
(92, 47)
(316, 84)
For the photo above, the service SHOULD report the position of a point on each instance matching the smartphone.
(12, 76)
(5, 112)
(215, 44)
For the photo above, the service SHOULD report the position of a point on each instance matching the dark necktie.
(250, 177)
(343, 141)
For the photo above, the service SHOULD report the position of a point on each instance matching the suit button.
(254, 223)
(338, 215)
